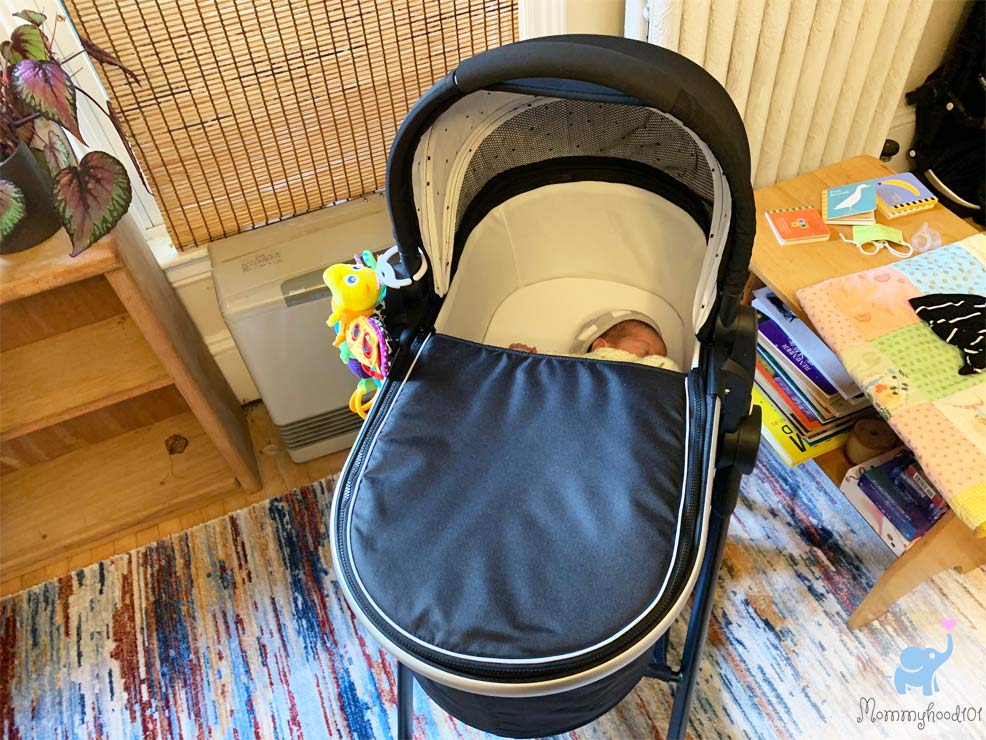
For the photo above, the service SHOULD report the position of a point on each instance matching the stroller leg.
(405, 703)
(698, 621)
(658, 667)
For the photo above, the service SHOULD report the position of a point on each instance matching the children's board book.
(814, 349)
(797, 225)
(850, 204)
(792, 448)
(901, 194)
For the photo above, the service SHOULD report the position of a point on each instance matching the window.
(251, 111)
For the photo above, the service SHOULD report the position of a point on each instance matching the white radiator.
(816, 81)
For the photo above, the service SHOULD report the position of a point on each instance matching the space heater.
(270, 291)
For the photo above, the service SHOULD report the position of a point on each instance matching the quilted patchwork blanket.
(913, 336)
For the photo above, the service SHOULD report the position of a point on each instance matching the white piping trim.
(567, 683)
(333, 521)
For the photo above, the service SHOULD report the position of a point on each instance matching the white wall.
(550, 17)
(629, 17)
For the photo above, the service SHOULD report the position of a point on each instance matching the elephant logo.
(918, 665)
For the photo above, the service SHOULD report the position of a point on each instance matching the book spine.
(918, 479)
(921, 494)
(819, 410)
(777, 337)
(797, 406)
(786, 439)
(887, 532)
(797, 380)
(919, 501)
(885, 501)
(809, 435)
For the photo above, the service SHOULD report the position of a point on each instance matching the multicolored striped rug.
(236, 629)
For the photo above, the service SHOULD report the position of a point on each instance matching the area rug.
(236, 629)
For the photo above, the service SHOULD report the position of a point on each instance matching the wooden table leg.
(948, 544)
(752, 283)
(154, 306)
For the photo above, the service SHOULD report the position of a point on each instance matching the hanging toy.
(356, 291)
(367, 353)
(364, 345)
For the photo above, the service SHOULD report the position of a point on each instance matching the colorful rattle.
(362, 341)
(367, 354)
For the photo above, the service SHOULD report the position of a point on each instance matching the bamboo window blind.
(251, 111)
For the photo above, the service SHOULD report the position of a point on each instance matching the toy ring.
(388, 276)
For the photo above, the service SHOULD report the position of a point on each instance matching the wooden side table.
(787, 269)
(112, 410)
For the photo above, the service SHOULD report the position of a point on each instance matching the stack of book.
(809, 402)
(895, 497)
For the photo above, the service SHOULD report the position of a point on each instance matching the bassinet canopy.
(529, 114)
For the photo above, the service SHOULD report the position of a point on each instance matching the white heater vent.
(270, 290)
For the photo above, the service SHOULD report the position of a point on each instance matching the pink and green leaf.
(91, 198)
(27, 42)
(101, 55)
(31, 16)
(26, 132)
(45, 88)
(12, 207)
(58, 152)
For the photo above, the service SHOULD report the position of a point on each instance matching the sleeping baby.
(630, 340)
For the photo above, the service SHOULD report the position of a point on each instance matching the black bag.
(949, 150)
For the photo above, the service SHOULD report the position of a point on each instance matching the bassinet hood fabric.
(473, 532)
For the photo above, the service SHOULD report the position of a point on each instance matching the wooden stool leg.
(948, 544)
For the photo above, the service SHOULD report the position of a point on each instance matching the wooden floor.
(278, 471)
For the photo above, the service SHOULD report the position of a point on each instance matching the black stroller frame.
(607, 70)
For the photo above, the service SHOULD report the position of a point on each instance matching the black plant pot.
(40, 218)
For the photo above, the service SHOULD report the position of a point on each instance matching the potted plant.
(42, 183)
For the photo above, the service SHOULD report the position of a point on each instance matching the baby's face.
(641, 341)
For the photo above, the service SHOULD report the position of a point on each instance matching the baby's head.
(633, 336)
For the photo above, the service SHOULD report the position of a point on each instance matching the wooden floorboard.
(278, 472)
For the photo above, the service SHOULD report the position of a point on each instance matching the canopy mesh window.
(250, 111)
(581, 128)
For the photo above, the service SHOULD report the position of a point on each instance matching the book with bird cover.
(850, 204)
